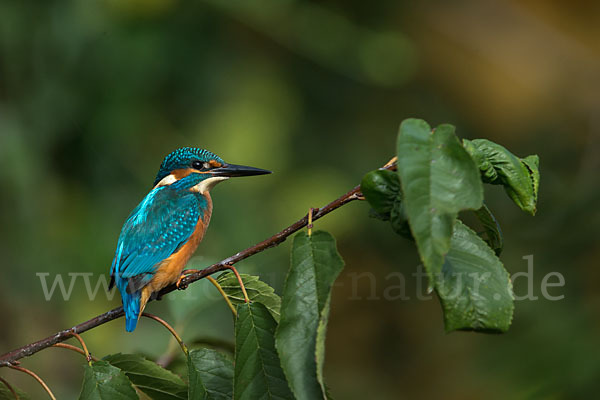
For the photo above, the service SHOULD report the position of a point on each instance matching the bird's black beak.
(231, 170)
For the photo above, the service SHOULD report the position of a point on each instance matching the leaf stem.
(241, 282)
(391, 164)
(74, 348)
(88, 357)
(170, 329)
(310, 221)
(220, 289)
(37, 378)
(14, 393)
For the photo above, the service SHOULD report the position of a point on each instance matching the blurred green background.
(93, 94)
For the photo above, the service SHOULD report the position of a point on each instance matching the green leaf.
(225, 345)
(498, 166)
(257, 290)
(315, 264)
(152, 379)
(258, 373)
(473, 286)
(211, 375)
(102, 381)
(399, 220)
(374, 214)
(320, 346)
(438, 179)
(380, 188)
(532, 162)
(491, 228)
(6, 394)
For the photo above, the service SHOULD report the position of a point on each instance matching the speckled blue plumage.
(162, 223)
(181, 158)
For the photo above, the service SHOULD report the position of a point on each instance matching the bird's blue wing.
(156, 229)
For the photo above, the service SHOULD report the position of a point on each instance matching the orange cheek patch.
(181, 173)
(215, 164)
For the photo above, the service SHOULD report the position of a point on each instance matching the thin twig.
(76, 349)
(9, 358)
(220, 289)
(14, 393)
(166, 325)
(37, 378)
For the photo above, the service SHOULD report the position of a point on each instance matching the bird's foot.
(179, 285)
(183, 275)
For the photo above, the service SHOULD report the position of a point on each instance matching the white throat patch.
(166, 181)
(208, 184)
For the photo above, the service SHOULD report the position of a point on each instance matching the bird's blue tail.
(131, 319)
(131, 305)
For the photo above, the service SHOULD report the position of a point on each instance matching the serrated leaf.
(102, 381)
(152, 379)
(210, 375)
(258, 373)
(532, 162)
(493, 233)
(438, 179)
(473, 286)
(6, 394)
(258, 291)
(380, 188)
(519, 176)
(315, 265)
(320, 346)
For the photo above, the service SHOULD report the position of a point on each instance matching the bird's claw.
(183, 275)
(179, 285)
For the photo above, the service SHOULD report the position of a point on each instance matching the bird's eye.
(198, 165)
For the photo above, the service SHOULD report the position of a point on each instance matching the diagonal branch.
(10, 358)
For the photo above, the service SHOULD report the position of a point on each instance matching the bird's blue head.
(187, 160)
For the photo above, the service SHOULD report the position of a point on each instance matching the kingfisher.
(163, 231)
